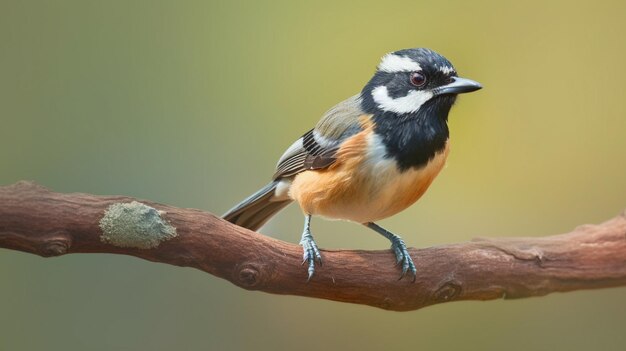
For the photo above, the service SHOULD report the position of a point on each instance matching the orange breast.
(362, 185)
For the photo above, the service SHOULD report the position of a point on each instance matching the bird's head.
(412, 79)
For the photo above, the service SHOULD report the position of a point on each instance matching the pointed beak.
(458, 86)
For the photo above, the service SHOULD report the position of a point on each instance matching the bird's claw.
(310, 254)
(403, 257)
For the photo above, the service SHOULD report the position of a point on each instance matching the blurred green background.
(190, 103)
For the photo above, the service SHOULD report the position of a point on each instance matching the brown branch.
(36, 220)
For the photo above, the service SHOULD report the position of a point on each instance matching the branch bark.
(36, 220)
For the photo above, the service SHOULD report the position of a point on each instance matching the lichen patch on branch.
(134, 225)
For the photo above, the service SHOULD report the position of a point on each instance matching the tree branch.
(36, 220)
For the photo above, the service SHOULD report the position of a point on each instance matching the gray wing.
(316, 149)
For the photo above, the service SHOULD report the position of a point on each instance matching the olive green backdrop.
(191, 103)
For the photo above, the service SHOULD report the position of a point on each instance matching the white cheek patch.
(393, 63)
(405, 104)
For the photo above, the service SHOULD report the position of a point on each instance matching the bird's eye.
(418, 79)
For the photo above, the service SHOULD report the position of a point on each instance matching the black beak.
(458, 86)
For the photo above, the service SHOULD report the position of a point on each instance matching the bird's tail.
(257, 209)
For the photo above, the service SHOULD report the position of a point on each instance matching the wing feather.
(316, 149)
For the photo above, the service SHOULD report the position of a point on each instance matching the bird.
(370, 156)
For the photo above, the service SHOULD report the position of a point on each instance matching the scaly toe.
(310, 254)
(403, 257)
(398, 252)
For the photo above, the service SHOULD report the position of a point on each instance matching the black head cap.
(407, 79)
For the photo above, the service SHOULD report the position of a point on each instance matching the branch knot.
(450, 290)
(251, 275)
(55, 247)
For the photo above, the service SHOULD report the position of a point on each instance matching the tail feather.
(257, 209)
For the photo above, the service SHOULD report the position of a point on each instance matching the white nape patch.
(406, 104)
(446, 69)
(393, 63)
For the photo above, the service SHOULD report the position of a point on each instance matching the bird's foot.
(403, 257)
(399, 248)
(311, 253)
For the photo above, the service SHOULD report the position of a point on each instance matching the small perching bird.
(369, 157)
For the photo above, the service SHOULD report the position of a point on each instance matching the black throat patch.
(413, 139)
